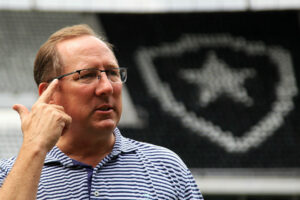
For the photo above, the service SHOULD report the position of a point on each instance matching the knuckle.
(38, 106)
(69, 119)
(57, 115)
(61, 108)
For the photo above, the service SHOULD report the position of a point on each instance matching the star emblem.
(216, 78)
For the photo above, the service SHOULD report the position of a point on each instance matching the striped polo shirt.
(133, 170)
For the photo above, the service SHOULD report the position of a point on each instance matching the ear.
(42, 87)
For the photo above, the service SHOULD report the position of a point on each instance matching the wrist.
(34, 151)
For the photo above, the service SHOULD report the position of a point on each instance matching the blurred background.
(216, 81)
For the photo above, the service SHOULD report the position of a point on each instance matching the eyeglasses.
(87, 76)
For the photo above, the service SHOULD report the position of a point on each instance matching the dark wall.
(262, 47)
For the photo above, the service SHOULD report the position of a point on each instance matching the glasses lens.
(123, 74)
(117, 75)
(88, 76)
(113, 75)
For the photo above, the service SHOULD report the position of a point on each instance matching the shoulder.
(5, 167)
(158, 154)
(6, 164)
(166, 170)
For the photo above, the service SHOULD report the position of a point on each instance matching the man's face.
(96, 106)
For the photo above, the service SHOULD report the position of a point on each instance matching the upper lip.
(104, 107)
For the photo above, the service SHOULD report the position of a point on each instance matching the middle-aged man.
(72, 148)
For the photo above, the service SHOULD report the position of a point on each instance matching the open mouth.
(104, 108)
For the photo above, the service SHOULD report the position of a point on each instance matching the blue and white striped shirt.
(133, 170)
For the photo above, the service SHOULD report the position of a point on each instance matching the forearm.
(42, 126)
(22, 181)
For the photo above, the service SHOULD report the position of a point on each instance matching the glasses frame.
(100, 70)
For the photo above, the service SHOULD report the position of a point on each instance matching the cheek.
(71, 97)
(118, 96)
(118, 92)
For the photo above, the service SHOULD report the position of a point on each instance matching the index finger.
(47, 94)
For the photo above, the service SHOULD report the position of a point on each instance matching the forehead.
(85, 51)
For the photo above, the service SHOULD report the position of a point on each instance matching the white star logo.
(216, 78)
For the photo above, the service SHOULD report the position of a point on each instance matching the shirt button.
(96, 193)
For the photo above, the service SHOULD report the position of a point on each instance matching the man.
(72, 148)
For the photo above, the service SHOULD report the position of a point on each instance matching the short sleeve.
(191, 190)
(5, 167)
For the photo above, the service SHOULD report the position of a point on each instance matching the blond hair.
(47, 63)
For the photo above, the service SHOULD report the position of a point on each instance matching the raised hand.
(45, 122)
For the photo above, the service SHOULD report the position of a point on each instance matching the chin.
(105, 125)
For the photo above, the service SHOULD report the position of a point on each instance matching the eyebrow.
(111, 66)
(107, 66)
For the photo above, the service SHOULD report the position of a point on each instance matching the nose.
(103, 85)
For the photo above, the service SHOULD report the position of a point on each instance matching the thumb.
(21, 109)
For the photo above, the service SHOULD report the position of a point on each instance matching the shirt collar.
(122, 145)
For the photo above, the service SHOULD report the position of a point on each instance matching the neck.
(86, 148)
